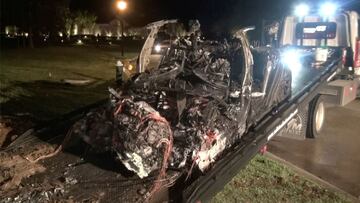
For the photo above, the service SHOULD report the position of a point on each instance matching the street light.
(121, 5)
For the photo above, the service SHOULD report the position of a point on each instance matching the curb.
(312, 177)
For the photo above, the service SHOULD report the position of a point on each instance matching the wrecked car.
(187, 102)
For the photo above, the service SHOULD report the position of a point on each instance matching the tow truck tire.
(316, 117)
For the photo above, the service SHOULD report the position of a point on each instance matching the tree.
(43, 17)
(68, 22)
(84, 21)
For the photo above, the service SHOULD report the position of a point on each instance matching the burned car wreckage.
(196, 102)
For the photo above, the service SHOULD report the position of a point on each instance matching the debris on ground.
(14, 169)
(69, 177)
(11, 127)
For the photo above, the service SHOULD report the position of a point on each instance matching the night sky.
(207, 11)
(213, 14)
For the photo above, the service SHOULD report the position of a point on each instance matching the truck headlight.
(292, 59)
(157, 48)
(302, 10)
(328, 9)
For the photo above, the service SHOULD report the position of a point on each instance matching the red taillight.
(357, 54)
(263, 149)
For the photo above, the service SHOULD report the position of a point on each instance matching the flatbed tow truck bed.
(76, 174)
(307, 87)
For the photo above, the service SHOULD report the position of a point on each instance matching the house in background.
(111, 29)
(11, 30)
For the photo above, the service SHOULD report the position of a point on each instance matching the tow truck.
(321, 47)
(315, 80)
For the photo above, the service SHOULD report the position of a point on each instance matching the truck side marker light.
(263, 150)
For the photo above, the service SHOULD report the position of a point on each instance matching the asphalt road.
(335, 155)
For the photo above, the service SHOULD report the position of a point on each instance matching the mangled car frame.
(188, 101)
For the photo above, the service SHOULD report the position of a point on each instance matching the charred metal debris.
(181, 114)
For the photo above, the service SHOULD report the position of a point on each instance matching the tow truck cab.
(311, 39)
(341, 30)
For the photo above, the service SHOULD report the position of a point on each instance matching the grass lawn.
(31, 79)
(265, 180)
(31, 84)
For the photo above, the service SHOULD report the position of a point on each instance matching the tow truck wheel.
(316, 117)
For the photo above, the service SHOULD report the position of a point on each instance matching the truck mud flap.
(296, 127)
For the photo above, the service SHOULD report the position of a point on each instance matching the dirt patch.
(14, 169)
(70, 178)
(78, 82)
